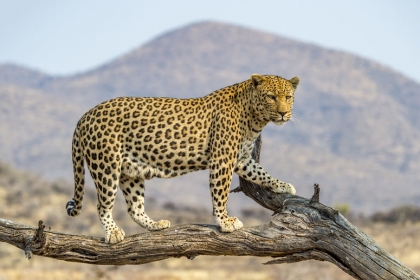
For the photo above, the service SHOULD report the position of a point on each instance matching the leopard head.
(273, 97)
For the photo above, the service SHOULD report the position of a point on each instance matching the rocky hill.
(357, 130)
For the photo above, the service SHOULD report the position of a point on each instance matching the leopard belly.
(141, 169)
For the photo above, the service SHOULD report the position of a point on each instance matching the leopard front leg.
(220, 179)
(252, 171)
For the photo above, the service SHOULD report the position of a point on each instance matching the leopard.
(128, 140)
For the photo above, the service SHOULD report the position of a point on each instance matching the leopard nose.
(282, 113)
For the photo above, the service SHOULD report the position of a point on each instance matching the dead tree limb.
(301, 229)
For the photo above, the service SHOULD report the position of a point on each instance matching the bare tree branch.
(301, 230)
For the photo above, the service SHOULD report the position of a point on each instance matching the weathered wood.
(301, 229)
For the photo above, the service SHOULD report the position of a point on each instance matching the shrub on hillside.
(399, 214)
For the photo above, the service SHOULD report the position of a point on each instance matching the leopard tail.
(74, 206)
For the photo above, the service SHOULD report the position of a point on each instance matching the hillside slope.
(357, 131)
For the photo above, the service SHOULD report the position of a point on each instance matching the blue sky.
(66, 37)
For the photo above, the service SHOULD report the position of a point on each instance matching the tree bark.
(301, 229)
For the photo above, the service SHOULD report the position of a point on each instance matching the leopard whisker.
(294, 119)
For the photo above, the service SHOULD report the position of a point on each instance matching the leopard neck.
(249, 113)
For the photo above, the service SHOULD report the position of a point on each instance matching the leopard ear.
(295, 82)
(256, 79)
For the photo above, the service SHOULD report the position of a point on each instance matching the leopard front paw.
(290, 189)
(285, 188)
(230, 224)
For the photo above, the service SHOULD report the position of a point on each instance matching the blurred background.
(356, 131)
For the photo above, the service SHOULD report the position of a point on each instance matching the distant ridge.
(357, 131)
(19, 75)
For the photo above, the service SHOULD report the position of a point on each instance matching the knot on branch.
(37, 242)
(191, 257)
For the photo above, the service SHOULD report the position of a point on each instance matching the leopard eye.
(272, 97)
(288, 97)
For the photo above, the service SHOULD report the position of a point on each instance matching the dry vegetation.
(26, 198)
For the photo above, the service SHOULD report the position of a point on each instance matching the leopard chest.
(245, 149)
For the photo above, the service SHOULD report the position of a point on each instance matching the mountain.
(356, 131)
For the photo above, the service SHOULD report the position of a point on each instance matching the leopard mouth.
(280, 119)
(280, 122)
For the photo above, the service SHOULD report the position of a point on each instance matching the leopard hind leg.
(106, 187)
(133, 190)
